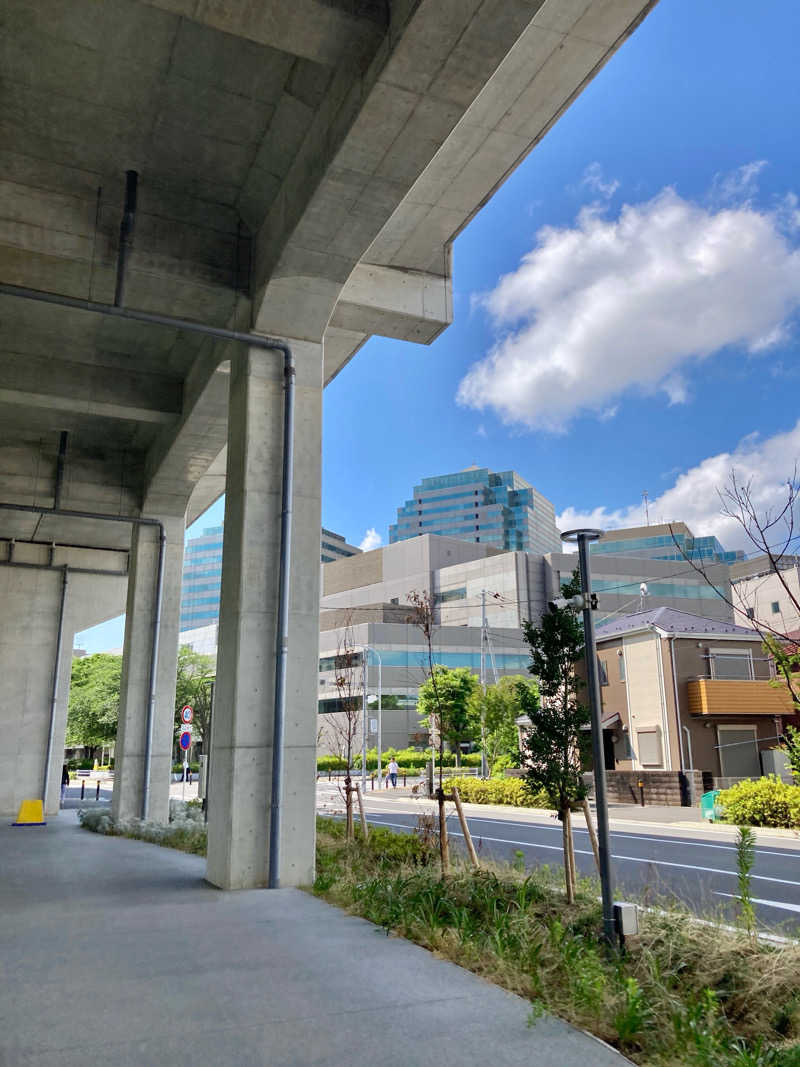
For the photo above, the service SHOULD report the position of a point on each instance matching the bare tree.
(343, 723)
(422, 616)
(771, 532)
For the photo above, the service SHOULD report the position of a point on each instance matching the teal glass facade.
(498, 509)
(662, 546)
(202, 573)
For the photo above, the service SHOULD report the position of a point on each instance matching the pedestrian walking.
(391, 772)
(64, 782)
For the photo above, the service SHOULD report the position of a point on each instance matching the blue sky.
(644, 335)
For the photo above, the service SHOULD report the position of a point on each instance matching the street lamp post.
(583, 537)
(376, 654)
(365, 650)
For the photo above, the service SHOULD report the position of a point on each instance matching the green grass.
(683, 993)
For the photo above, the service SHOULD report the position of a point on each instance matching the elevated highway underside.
(303, 169)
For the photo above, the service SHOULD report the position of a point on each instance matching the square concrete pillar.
(244, 698)
(135, 683)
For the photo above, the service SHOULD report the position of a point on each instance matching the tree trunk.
(565, 830)
(457, 753)
(348, 807)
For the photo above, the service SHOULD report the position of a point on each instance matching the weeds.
(682, 993)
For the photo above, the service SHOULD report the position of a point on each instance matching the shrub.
(762, 802)
(502, 763)
(330, 763)
(498, 791)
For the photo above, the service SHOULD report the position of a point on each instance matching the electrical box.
(626, 917)
(775, 761)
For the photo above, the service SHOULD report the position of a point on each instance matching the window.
(731, 665)
(649, 744)
(602, 671)
(452, 594)
(776, 607)
(621, 664)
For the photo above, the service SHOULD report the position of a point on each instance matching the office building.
(501, 510)
(766, 597)
(202, 574)
(667, 541)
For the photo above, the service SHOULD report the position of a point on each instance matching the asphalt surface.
(657, 868)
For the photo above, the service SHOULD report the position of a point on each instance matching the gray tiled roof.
(672, 621)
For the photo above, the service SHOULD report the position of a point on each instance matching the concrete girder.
(326, 33)
(403, 304)
(562, 48)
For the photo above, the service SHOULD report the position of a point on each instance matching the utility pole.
(484, 762)
(583, 537)
(646, 503)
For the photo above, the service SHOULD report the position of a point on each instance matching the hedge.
(762, 802)
(409, 759)
(510, 791)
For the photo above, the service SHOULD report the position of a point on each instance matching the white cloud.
(594, 181)
(738, 185)
(481, 431)
(694, 497)
(371, 539)
(614, 304)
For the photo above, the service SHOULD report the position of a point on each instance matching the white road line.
(614, 855)
(638, 837)
(767, 903)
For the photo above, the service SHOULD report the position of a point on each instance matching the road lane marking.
(788, 854)
(614, 855)
(758, 900)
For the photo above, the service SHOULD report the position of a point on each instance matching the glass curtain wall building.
(202, 573)
(659, 542)
(498, 509)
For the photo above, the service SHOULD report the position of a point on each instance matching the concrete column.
(28, 630)
(136, 656)
(242, 728)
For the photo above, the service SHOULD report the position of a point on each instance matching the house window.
(602, 671)
(731, 665)
(621, 663)
(648, 743)
(776, 607)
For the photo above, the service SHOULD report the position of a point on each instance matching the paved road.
(659, 866)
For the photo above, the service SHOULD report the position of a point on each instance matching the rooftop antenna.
(644, 593)
(646, 506)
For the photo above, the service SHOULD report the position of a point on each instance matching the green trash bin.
(709, 808)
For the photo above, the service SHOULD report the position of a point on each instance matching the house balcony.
(718, 696)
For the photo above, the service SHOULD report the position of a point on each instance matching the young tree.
(553, 747)
(446, 697)
(193, 687)
(94, 701)
(497, 711)
(343, 724)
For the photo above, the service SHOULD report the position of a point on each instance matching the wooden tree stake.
(473, 855)
(444, 848)
(587, 814)
(364, 826)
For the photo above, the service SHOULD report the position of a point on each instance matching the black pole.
(595, 706)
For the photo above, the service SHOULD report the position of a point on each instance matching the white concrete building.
(766, 597)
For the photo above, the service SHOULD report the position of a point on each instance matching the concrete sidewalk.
(116, 951)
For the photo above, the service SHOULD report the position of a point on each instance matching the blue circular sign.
(186, 740)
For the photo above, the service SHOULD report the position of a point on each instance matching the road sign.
(187, 713)
(186, 739)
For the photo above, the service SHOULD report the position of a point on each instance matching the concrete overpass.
(303, 168)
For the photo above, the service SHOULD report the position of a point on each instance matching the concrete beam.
(80, 388)
(326, 33)
(404, 304)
